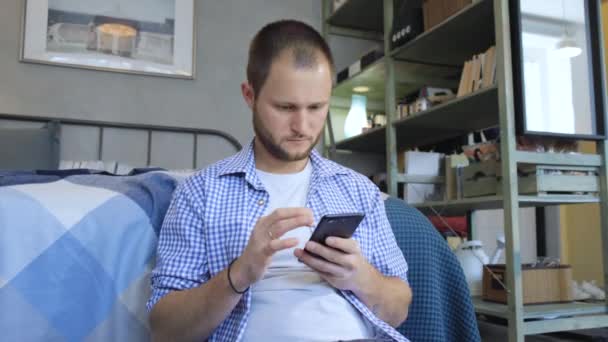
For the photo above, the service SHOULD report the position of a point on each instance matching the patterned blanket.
(76, 252)
(75, 255)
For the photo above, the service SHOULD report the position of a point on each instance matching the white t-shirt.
(292, 302)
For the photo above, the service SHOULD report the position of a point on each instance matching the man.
(233, 257)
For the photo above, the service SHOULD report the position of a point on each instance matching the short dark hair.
(303, 40)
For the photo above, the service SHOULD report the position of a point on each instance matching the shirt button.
(261, 202)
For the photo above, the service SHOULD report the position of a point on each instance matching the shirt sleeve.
(181, 259)
(386, 254)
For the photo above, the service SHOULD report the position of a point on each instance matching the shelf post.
(329, 147)
(389, 102)
(603, 151)
(509, 170)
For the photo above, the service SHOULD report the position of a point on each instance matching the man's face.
(290, 111)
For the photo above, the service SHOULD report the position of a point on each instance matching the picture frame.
(127, 36)
(557, 59)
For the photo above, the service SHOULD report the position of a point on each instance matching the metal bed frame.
(195, 132)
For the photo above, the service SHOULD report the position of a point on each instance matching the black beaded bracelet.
(230, 280)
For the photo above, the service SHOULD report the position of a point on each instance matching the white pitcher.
(472, 257)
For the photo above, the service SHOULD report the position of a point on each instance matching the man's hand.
(344, 267)
(265, 241)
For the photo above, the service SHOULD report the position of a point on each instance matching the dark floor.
(498, 333)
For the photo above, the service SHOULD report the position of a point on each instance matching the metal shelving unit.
(409, 77)
(452, 42)
(432, 56)
(541, 311)
(563, 317)
(472, 112)
(461, 206)
(359, 15)
(370, 141)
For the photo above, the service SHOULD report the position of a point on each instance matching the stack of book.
(478, 73)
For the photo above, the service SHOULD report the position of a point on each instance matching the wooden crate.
(436, 11)
(483, 179)
(540, 285)
(537, 179)
(485, 186)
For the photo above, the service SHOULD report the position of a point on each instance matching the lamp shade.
(568, 48)
(356, 118)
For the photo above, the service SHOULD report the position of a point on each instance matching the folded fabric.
(76, 256)
(26, 179)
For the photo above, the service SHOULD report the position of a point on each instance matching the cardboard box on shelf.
(436, 11)
(541, 285)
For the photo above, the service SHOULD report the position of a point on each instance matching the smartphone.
(340, 225)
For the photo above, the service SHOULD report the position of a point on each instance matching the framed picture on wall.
(558, 68)
(152, 37)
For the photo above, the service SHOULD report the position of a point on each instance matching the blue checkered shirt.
(212, 214)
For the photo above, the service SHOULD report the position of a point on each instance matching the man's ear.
(248, 94)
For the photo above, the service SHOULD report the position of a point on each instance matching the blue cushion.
(441, 308)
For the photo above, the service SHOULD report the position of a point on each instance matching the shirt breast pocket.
(226, 239)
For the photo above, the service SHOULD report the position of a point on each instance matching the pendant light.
(567, 47)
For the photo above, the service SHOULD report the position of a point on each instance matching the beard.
(274, 147)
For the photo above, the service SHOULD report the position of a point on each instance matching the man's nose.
(299, 120)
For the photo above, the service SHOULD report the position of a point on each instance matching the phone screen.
(340, 225)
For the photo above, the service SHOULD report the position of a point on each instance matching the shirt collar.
(244, 163)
